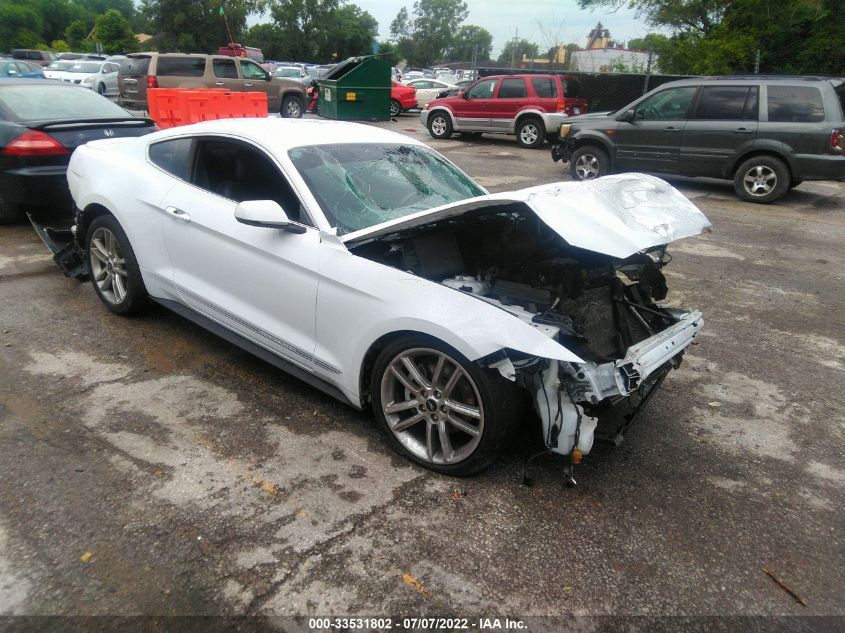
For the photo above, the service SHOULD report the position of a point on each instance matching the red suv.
(530, 106)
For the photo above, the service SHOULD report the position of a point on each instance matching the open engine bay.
(606, 310)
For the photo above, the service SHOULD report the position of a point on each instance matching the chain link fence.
(604, 91)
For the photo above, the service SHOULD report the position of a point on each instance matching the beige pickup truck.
(140, 71)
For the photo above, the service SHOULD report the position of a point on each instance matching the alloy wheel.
(293, 110)
(587, 166)
(395, 108)
(432, 406)
(760, 180)
(108, 265)
(438, 126)
(529, 134)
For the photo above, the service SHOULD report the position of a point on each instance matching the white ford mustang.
(373, 268)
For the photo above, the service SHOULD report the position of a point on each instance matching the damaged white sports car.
(371, 267)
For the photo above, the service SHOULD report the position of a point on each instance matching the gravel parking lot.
(148, 467)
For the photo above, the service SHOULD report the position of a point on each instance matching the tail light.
(34, 143)
(561, 106)
(837, 141)
(152, 81)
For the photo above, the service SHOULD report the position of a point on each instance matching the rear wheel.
(395, 108)
(439, 125)
(9, 213)
(530, 133)
(588, 162)
(113, 268)
(439, 409)
(292, 107)
(762, 179)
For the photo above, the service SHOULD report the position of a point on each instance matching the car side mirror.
(465, 95)
(628, 117)
(265, 214)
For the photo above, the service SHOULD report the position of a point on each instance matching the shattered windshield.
(361, 185)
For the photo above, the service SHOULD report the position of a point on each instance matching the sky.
(538, 21)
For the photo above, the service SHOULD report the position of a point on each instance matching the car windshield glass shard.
(56, 103)
(359, 186)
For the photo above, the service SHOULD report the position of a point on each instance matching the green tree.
(20, 25)
(425, 38)
(113, 32)
(515, 51)
(349, 31)
(469, 36)
(75, 34)
(390, 52)
(197, 26)
(270, 39)
(59, 46)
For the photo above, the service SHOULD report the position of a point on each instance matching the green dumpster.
(356, 89)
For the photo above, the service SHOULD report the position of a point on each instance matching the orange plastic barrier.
(170, 107)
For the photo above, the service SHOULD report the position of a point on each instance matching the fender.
(763, 146)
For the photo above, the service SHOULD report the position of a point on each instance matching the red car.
(531, 106)
(402, 97)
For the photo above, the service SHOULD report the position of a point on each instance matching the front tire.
(762, 179)
(589, 162)
(292, 107)
(112, 267)
(439, 409)
(395, 108)
(530, 133)
(439, 125)
(101, 89)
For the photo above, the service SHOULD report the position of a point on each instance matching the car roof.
(279, 134)
(752, 79)
(4, 81)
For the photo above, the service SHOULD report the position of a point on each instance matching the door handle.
(672, 129)
(743, 130)
(247, 85)
(178, 214)
(219, 83)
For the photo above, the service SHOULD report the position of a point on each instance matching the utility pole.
(474, 59)
(513, 51)
(757, 62)
(647, 72)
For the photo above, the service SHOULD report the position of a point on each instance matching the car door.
(259, 282)
(256, 79)
(723, 122)
(225, 73)
(110, 77)
(509, 99)
(651, 141)
(473, 111)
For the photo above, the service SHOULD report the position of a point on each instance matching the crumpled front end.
(577, 400)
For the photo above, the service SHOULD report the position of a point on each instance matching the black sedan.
(41, 123)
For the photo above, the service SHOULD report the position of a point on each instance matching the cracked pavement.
(151, 468)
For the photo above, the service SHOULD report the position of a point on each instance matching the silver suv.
(766, 133)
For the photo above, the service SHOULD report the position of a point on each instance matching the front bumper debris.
(67, 253)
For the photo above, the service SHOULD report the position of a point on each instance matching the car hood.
(615, 215)
(592, 116)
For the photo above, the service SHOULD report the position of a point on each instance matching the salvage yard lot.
(151, 468)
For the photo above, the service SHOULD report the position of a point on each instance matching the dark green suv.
(766, 133)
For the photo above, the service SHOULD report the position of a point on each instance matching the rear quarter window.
(172, 156)
(795, 104)
(180, 67)
(840, 92)
(544, 87)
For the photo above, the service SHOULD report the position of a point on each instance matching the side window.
(544, 87)
(241, 172)
(252, 71)
(795, 104)
(666, 105)
(23, 68)
(112, 68)
(483, 89)
(172, 156)
(512, 89)
(181, 66)
(225, 68)
(723, 103)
